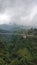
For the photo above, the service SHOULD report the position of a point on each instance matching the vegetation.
(17, 50)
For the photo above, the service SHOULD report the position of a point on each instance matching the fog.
(23, 12)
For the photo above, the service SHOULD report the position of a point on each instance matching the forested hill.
(18, 52)
(12, 27)
(3, 31)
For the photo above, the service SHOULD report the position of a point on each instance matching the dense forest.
(16, 50)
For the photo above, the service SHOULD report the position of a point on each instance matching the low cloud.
(23, 12)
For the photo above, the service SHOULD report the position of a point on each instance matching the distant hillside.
(3, 31)
(14, 27)
(11, 27)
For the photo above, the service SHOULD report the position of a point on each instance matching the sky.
(23, 12)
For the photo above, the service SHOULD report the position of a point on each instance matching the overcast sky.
(22, 12)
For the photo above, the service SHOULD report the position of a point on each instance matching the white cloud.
(18, 11)
(27, 20)
(33, 13)
(4, 17)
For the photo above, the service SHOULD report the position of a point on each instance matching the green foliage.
(18, 51)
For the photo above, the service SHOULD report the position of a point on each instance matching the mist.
(22, 12)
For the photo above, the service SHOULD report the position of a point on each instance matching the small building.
(24, 36)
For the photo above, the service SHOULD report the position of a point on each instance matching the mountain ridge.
(13, 27)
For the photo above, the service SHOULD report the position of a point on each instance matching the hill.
(3, 31)
(13, 27)
(18, 51)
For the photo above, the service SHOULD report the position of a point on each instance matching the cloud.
(18, 11)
